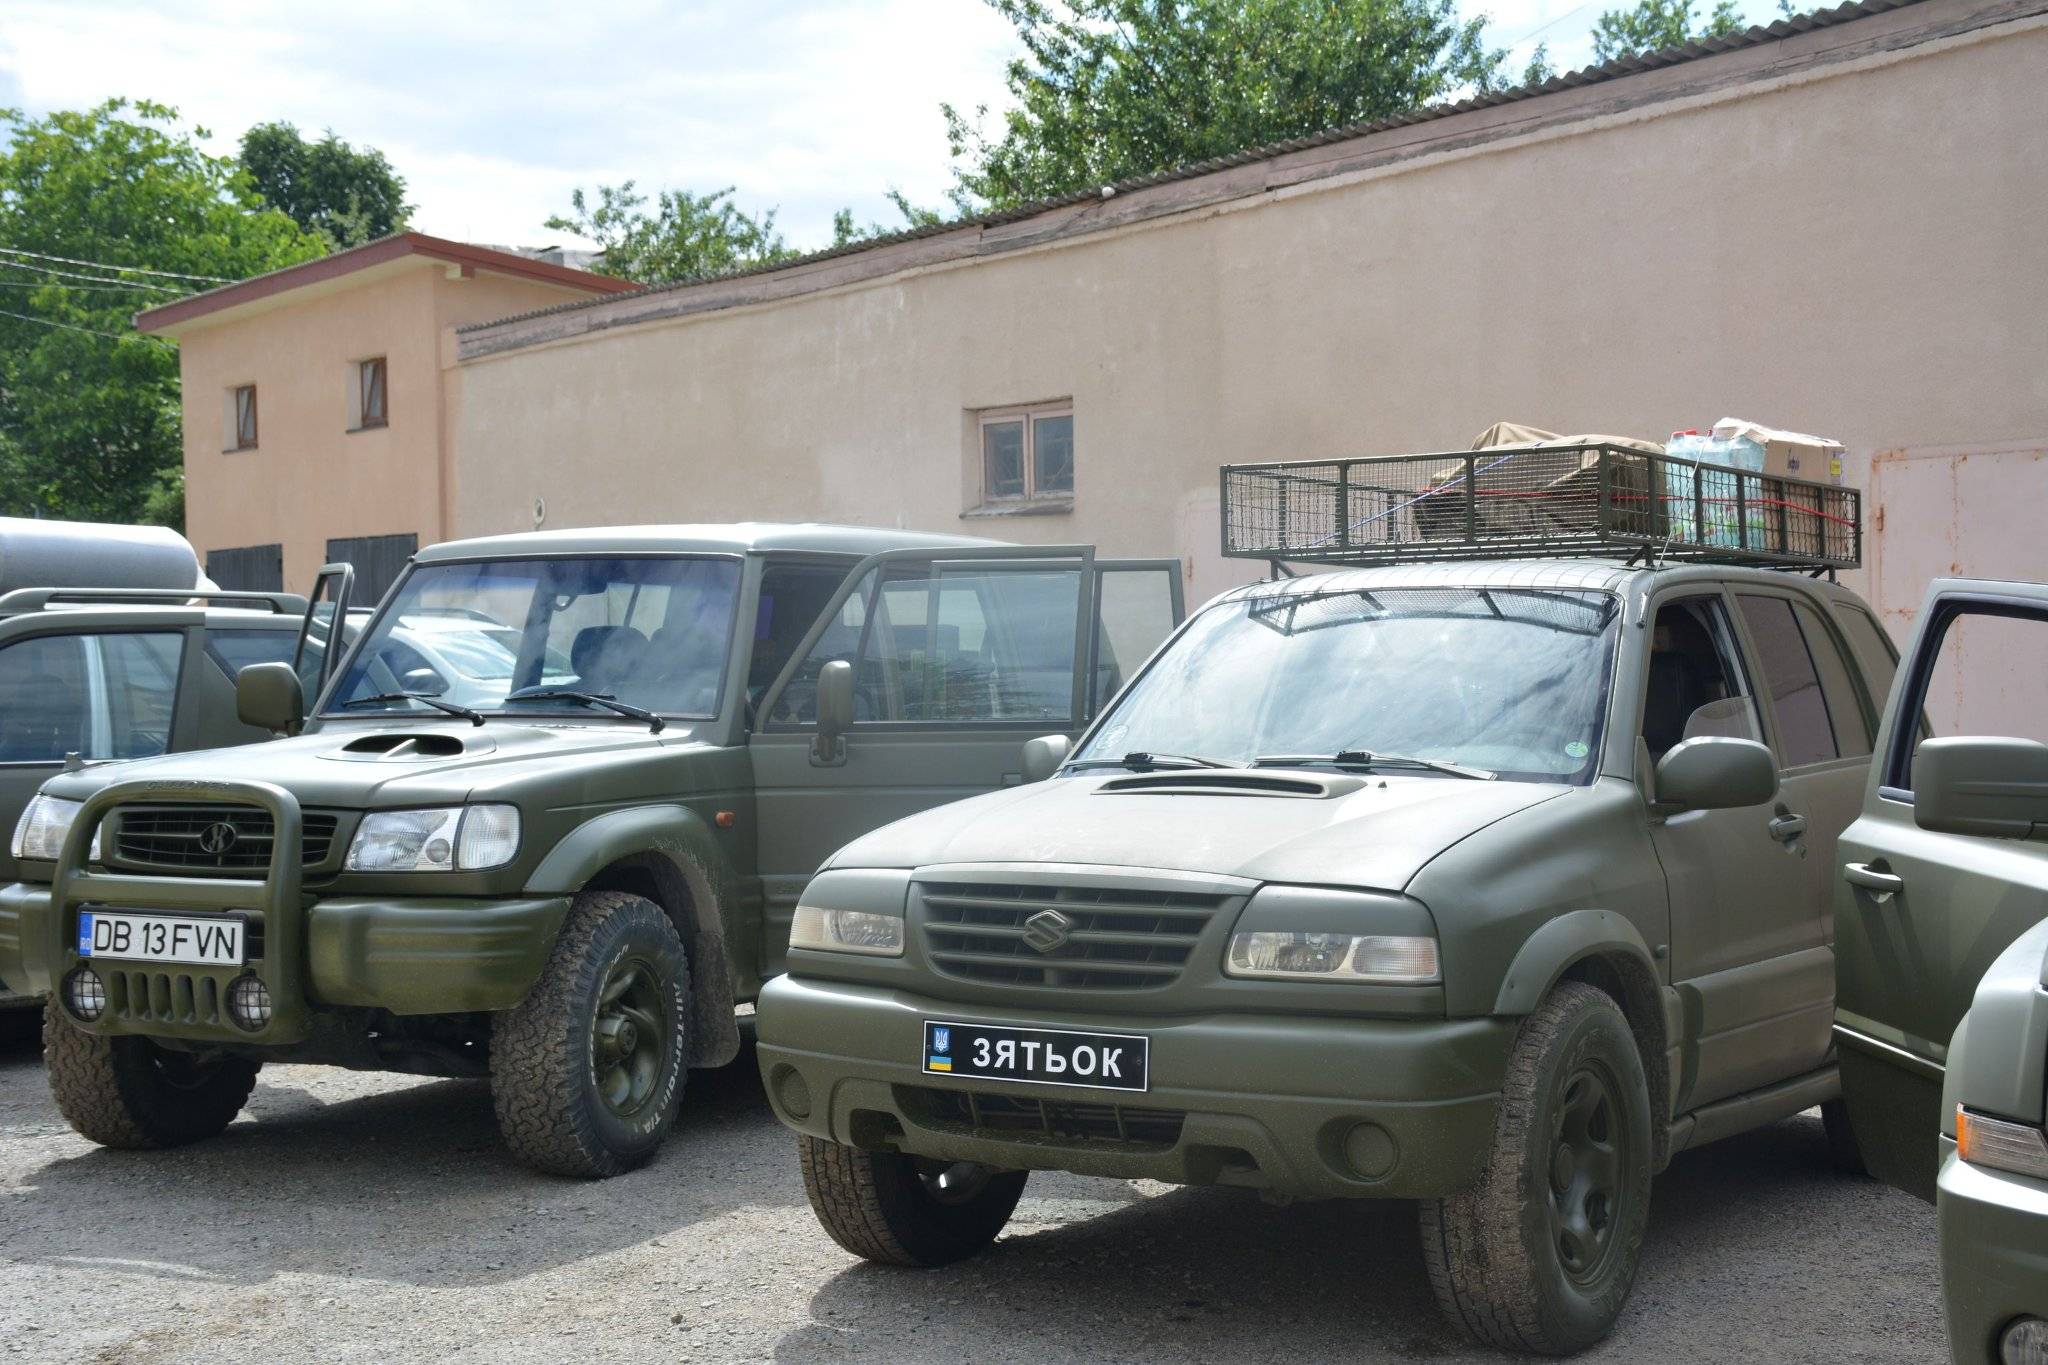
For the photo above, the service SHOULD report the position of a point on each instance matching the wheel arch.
(668, 855)
(1603, 950)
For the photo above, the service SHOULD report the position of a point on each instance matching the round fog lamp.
(2024, 1342)
(85, 994)
(249, 1003)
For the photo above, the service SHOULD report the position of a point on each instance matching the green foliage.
(1654, 25)
(89, 410)
(845, 231)
(347, 196)
(1539, 68)
(1109, 89)
(687, 237)
(163, 504)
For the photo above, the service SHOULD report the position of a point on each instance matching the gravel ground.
(375, 1218)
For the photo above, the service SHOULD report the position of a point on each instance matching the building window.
(1027, 454)
(369, 402)
(241, 415)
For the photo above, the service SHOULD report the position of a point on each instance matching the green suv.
(1489, 885)
(1942, 907)
(102, 675)
(548, 819)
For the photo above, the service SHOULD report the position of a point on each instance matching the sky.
(495, 112)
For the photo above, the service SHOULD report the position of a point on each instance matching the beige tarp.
(1502, 434)
(1553, 490)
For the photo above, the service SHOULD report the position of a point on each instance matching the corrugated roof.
(1594, 75)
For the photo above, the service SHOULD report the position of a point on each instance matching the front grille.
(159, 997)
(985, 1115)
(1116, 938)
(187, 837)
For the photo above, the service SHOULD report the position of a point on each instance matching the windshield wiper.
(1366, 758)
(1143, 762)
(473, 717)
(655, 724)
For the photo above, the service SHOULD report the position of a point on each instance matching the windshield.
(652, 633)
(1514, 681)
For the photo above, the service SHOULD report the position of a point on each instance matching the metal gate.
(378, 561)
(247, 568)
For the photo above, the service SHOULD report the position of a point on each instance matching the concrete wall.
(1856, 250)
(311, 478)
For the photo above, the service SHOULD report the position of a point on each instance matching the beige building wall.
(1858, 249)
(310, 478)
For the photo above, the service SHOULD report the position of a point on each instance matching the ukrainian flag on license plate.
(941, 1064)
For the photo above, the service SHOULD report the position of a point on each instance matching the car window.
(1133, 614)
(792, 595)
(141, 693)
(1696, 685)
(1805, 731)
(1986, 678)
(1872, 649)
(98, 696)
(235, 650)
(1837, 684)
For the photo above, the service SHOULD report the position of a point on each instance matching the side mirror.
(835, 712)
(268, 696)
(1043, 756)
(1716, 773)
(1972, 784)
(424, 681)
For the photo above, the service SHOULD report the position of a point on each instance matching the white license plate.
(209, 942)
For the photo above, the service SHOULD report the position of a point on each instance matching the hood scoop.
(1212, 782)
(398, 746)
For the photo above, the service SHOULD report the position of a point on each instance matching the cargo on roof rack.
(1544, 501)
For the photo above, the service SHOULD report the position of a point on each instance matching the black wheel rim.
(954, 1182)
(1587, 1184)
(629, 1038)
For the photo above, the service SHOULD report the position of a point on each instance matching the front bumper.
(1994, 1253)
(1310, 1106)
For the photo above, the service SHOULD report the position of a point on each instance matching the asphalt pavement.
(376, 1218)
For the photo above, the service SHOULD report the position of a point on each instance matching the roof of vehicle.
(743, 537)
(1596, 575)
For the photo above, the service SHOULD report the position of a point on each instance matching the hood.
(401, 763)
(1321, 829)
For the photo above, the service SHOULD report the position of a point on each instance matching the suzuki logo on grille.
(1047, 930)
(217, 838)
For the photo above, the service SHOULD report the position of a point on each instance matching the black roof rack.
(1551, 501)
(35, 599)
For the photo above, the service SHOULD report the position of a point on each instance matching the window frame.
(1027, 415)
(238, 441)
(1902, 739)
(360, 408)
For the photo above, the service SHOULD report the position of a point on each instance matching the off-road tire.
(545, 1053)
(1843, 1147)
(879, 1206)
(1492, 1256)
(131, 1094)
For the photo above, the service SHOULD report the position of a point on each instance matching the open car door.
(957, 657)
(323, 635)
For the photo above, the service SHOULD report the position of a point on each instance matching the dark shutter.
(378, 561)
(247, 568)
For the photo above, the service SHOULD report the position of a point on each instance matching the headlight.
(1315, 933)
(1285, 956)
(39, 834)
(852, 910)
(448, 839)
(846, 931)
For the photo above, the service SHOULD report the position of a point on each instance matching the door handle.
(1785, 828)
(1880, 884)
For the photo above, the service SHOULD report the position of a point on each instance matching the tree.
(104, 212)
(687, 237)
(1654, 25)
(347, 196)
(845, 231)
(1109, 89)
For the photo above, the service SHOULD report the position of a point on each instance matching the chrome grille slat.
(169, 836)
(1116, 938)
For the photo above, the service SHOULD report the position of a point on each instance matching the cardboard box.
(1788, 454)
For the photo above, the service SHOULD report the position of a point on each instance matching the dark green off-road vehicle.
(1489, 884)
(1942, 908)
(548, 820)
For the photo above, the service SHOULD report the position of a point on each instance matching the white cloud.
(494, 112)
